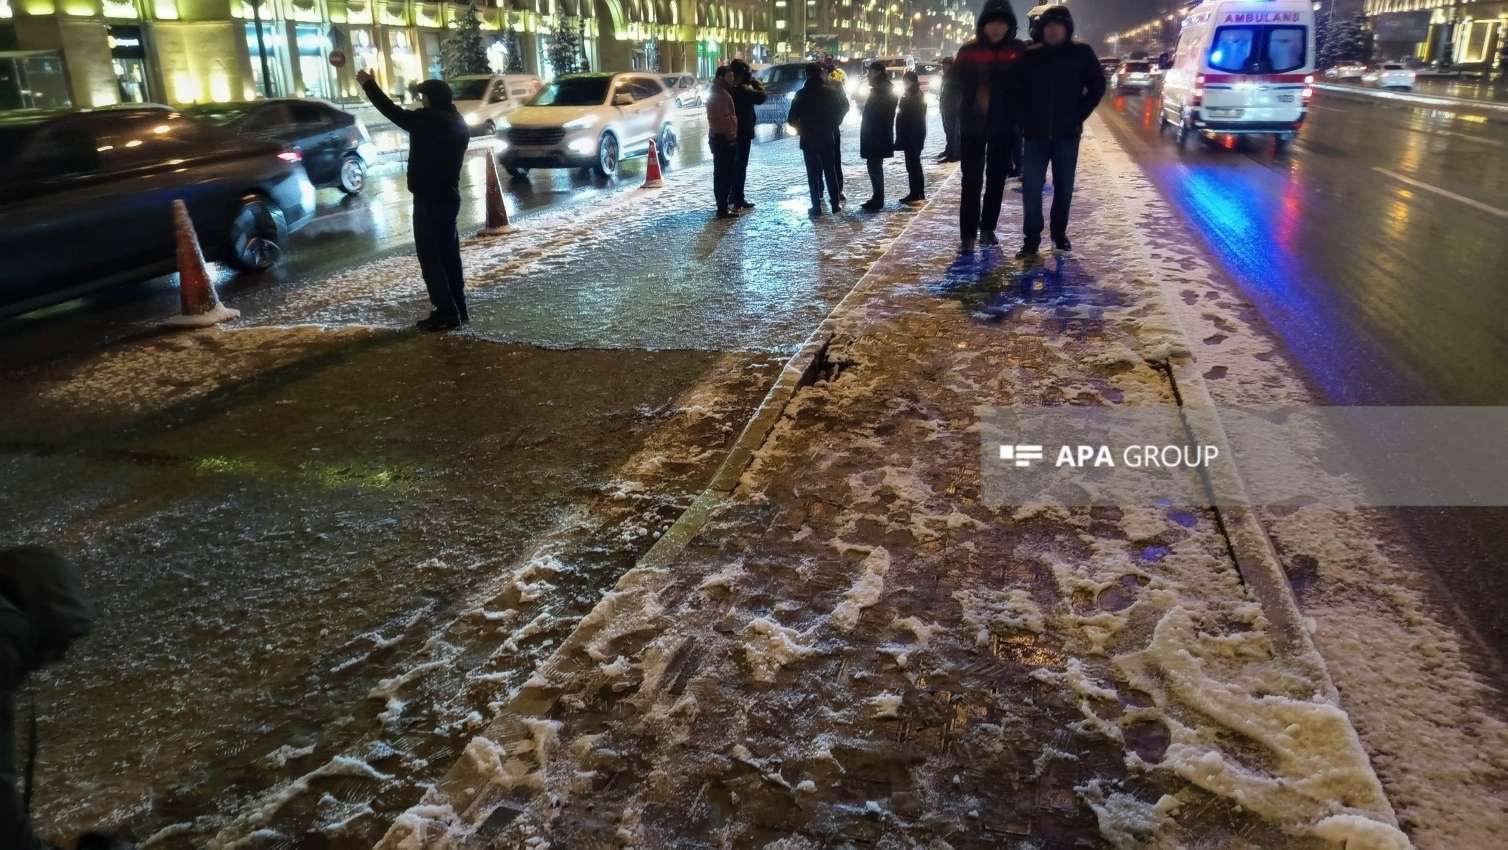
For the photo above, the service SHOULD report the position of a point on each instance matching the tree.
(564, 51)
(514, 51)
(1346, 39)
(463, 51)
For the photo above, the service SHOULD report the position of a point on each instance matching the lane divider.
(1420, 184)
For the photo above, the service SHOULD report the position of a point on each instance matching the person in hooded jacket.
(42, 612)
(877, 133)
(747, 94)
(1058, 85)
(911, 136)
(816, 112)
(983, 72)
(437, 142)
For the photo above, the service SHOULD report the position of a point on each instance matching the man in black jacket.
(983, 72)
(816, 112)
(747, 94)
(42, 612)
(1059, 83)
(437, 141)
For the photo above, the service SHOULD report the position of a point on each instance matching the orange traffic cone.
(652, 170)
(497, 209)
(201, 304)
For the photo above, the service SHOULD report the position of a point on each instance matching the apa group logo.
(1091, 456)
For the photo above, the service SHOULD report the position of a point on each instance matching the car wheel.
(607, 155)
(1181, 137)
(667, 143)
(258, 231)
(1282, 144)
(353, 175)
(517, 173)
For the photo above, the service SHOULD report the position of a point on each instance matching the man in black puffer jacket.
(983, 73)
(42, 612)
(1058, 85)
(437, 142)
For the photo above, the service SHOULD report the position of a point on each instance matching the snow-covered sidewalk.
(855, 649)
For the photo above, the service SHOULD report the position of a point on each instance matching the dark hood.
(996, 10)
(45, 589)
(437, 94)
(1061, 14)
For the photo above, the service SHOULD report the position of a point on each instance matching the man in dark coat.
(986, 120)
(437, 141)
(911, 136)
(1059, 83)
(42, 612)
(947, 108)
(816, 111)
(747, 94)
(877, 133)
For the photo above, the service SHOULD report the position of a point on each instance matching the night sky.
(1094, 18)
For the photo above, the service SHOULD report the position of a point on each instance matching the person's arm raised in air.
(392, 111)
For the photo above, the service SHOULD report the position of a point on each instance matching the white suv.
(484, 99)
(589, 120)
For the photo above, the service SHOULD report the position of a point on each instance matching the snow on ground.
(857, 647)
(1432, 725)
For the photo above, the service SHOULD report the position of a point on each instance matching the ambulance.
(1244, 68)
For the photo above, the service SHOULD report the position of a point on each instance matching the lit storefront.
(195, 51)
(1470, 35)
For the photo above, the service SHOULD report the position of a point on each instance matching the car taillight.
(1199, 90)
(291, 156)
(1309, 80)
(1308, 93)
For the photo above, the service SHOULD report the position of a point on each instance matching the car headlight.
(473, 118)
(581, 123)
(582, 145)
(790, 95)
(852, 87)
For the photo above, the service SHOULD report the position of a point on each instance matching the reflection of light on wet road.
(1471, 202)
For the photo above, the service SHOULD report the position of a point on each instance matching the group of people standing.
(1018, 108)
(1010, 108)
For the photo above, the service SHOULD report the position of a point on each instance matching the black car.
(781, 82)
(336, 146)
(86, 199)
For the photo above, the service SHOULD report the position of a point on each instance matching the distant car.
(930, 77)
(589, 120)
(336, 147)
(1346, 71)
(1390, 75)
(486, 99)
(781, 82)
(86, 199)
(685, 89)
(1109, 66)
(897, 83)
(1132, 76)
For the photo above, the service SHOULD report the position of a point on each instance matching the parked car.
(686, 89)
(1346, 71)
(1132, 76)
(591, 120)
(86, 199)
(486, 99)
(781, 82)
(336, 147)
(1109, 65)
(1390, 75)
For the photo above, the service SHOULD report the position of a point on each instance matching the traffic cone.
(201, 304)
(652, 170)
(497, 209)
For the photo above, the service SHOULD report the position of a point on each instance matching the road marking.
(1467, 136)
(1420, 184)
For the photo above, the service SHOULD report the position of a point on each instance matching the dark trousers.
(439, 249)
(740, 169)
(950, 134)
(985, 163)
(821, 166)
(876, 166)
(1063, 155)
(914, 177)
(838, 156)
(724, 163)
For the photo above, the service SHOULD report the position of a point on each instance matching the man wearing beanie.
(986, 120)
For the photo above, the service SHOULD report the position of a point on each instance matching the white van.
(484, 99)
(1243, 67)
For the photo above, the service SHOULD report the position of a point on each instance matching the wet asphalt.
(1375, 252)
